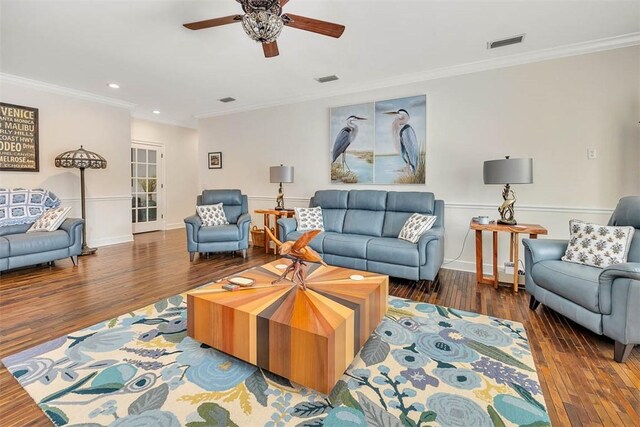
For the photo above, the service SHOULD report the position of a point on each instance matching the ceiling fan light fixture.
(262, 26)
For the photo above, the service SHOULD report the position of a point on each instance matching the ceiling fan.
(263, 21)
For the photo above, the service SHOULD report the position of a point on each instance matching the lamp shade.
(508, 171)
(281, 174)
(81, 159)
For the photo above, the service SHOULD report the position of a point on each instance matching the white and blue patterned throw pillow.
(309, 219)
(51, 220)
(598, 245)
(416, 226)
(212, 215)
(21, 206)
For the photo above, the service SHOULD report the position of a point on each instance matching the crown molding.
(617, 42)
(192, 124)
(61, 90)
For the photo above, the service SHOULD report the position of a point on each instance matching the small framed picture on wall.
(215, 160)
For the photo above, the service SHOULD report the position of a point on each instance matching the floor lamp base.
(86, 250)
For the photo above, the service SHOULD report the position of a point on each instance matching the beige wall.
(552, 111)
(66, 123)
(181, 172)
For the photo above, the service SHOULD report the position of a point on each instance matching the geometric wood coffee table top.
(309, 337)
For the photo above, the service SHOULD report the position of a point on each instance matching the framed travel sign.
(18, 138)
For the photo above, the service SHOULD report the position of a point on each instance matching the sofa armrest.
(193, 224)
(545, 249)
(435, 233)
(73, 227)
(287, 225)
(628, 270)
(243, 223)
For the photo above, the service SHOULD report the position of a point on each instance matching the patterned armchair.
(222, 238)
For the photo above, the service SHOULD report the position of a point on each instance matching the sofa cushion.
(29, 243)
(219, 233)
(598, 245)
(368, 223)
(400, 206)
(309, 219)
(350, 245)
(4, 248)
(14, 229)
(232, 202)
(316, 243)
(371, 200)
(334, 208)
(575, 282)
(393, 251)
(212, 215)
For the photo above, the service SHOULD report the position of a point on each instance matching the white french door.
(147, 187)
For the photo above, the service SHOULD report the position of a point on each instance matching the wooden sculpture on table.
(300, 252)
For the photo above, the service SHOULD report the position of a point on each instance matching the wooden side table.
(514, 233)
(267, 214)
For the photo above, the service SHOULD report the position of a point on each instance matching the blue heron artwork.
(400, 141)
(352, 143)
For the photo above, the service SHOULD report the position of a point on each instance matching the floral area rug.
(425, 365)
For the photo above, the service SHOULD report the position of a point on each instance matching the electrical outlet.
(592, 153)
(508, 267)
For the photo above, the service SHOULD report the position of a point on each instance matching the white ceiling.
(141, 44)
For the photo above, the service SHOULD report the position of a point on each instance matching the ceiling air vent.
(327, 79)
(505, 42)
(227, 99)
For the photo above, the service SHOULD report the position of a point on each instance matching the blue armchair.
(606, 301)
(222, 238)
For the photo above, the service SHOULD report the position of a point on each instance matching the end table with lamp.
(277, 175)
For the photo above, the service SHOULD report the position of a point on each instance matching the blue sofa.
(362, 227)
(222, 238)
(19, 248)
(606, 301)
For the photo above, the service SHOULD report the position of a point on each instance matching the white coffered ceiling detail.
(141, 45)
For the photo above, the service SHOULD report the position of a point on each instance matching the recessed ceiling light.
(227, 99)
(114, 85)
(156, 112)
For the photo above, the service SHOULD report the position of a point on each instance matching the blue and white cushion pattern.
(598, 245)
(415, 226)
(212, 215)
(309, 219)
(51, 220)
(21, 206)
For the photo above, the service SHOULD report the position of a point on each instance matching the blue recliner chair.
(222, 238)
(606, 301)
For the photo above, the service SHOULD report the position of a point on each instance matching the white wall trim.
(593, 46)
(106, 241)
(61, 90)
(192, 124)
(474, 206)
(174, 226)
(96, 199)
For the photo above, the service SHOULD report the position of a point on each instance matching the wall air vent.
(227, 99)
(327, 79)
(505, 42)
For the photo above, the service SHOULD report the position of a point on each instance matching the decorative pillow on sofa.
(21, 206)
(51, 220)
(415, 226)
(212, 215)
(598, 245)
(309, 219)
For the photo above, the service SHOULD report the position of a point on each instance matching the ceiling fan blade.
(315, 25)
(270, 49)
(283, 2)
(216, 22)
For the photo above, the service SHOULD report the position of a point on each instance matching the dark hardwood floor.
(581, 382)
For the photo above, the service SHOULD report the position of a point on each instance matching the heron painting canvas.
(352, 144)
(400, 140)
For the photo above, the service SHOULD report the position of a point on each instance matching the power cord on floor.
(461, 250)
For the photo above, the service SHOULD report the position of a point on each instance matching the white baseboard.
(106, 241)
(174, 225)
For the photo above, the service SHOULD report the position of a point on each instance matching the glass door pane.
(145, 187)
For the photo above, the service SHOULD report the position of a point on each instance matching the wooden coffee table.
(309, 337)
